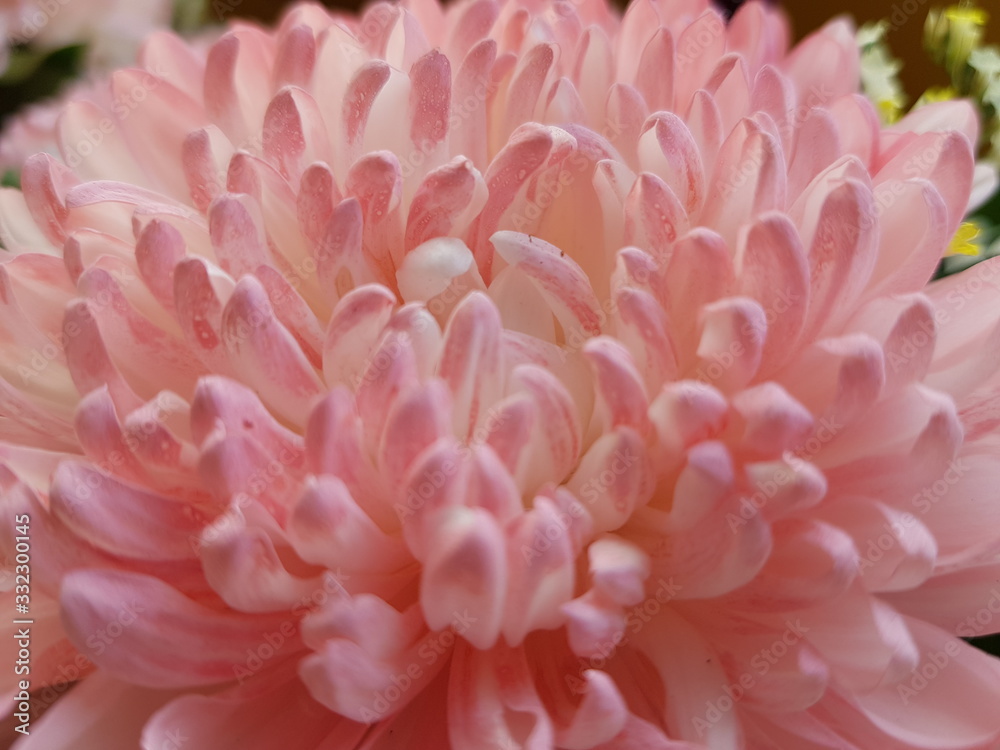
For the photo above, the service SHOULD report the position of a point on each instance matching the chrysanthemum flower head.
(503, 375)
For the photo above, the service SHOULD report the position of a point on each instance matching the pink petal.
(158, 250)
(470, 93)
(376, 181)
(669, 149)
(199, 311)
(100, 710)
(732, 341)
(205, 156)
(237, 66)
(243, 566)
(613, 479)
(842, 252)
(527, 85)
(466, 572)
(826, 64)
(444, 202)
(172, 642)
(237, 231)
(261, 347)
(123, 519)
(945, 160)
(562, 282)
(600, 717)
(241, 717)
(295, 135)
(556, 437)
(654, 217)
(952, 707)
(295, 59)
(686, 412)
(699, 47)
(897, 551)
(430, 99)
(643, 328)
(700, 272)
(817, 146)
(749, 179)
(327, 527)
(165, 116)
(693, 676)
(811, 561)
(655, 76)
(358, 101)
(88, 359)
(471, 362)
(44, 184)
(772, 268)
(540, 569)
(621, 397)
(416, 420)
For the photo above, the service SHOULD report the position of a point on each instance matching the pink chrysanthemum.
(507, 375)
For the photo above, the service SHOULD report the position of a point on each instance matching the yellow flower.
(967, 14)
(936, 94)
(880, 73)
(951, 36)
(962, 243)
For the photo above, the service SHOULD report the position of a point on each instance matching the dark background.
(806, 15)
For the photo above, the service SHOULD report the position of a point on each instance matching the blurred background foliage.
(905, 38)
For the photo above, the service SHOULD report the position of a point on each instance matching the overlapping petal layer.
(506, 375)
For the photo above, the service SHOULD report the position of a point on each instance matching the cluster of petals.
(502, 375)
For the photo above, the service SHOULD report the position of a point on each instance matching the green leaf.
(44, 79)
(24, 62)
(189, 15)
